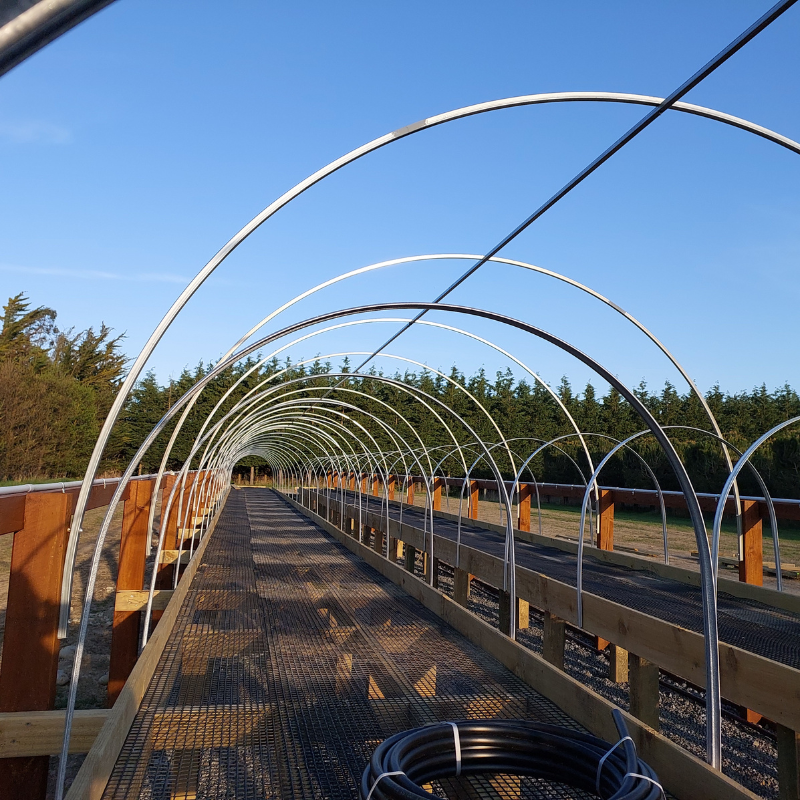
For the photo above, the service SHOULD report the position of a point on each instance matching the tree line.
(56, 388)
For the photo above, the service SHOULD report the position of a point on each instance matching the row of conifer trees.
(56, 388)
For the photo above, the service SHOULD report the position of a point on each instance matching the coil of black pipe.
(514, 747)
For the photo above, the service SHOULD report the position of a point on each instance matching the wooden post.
(605, 520)
(525, 492)
(643, 683)
(353, 482)
(605, 536)
(788, 764)
(390, 487)
(411, 558)
(437, 494)
(426, 565)
(461, 586)
(751, 567)
(410, 497)
(473, 499)
(252, 472)
(377, 544)
(375, 485)
(554, 640)
(130, 575)
(523, 613)
(30, 644)
(395, 548)
(618, 665)
(363, 484)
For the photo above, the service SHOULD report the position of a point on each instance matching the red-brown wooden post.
(390, 487)
(605, 520)
(525, 492)
(751, 566)
(437, 494)
(353, 482)
(30, 644)
(375, 485)
(605, 535)
(130, 575)
(473, 499)
(410, 497)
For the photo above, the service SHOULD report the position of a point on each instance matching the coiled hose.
(402, 763)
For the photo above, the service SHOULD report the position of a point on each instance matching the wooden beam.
(461, 586)
(437, 494)
(554, 640)
(474, 493)
(643, 682)
(129, 600)
(130, 576)
(30, 643)
(605, 521)
(524, 521)
(751, 567)
(618, 664)
(24, 734)
(171, 556)
(12, 513)
(91, 780)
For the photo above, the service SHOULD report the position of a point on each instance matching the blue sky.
(132, 148)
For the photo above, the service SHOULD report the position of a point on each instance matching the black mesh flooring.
(767, 631)
(291, 660)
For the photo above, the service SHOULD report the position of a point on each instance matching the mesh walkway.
(291, 660)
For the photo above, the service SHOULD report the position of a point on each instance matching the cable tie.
(603, 761)
(457, 743)
(645, 778)
(382, 775)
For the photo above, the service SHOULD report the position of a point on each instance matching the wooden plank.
(682, 774)
(171, 556)
(40, 733)
(30, 644)
(91, 780)
(12, 513)
(605, 523)
(474, 494)
(524, 520)
(128, 600)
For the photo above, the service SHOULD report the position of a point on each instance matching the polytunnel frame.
(715, 550)
(739, 466)
(316, 177)
(251, 395)
(280, 393)
(713, 697)
(592, 481)
(410, 390)
(266, 359)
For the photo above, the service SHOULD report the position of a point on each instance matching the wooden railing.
(39, 518)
